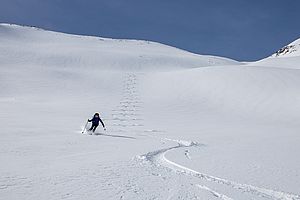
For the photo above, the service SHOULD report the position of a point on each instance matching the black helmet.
(96, 114)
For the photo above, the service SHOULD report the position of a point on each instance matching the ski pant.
(93, 127)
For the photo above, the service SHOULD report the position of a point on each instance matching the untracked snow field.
(179, 125)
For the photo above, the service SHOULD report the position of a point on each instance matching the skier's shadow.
(117, 136)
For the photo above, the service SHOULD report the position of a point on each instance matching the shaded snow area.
(179, 125)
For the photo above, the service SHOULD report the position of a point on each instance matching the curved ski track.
(158, 158)
(127, 116)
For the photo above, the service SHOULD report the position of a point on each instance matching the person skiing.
(95, 122)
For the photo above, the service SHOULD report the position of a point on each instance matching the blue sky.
(238, 29)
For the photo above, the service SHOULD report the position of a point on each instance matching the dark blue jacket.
(96, 121)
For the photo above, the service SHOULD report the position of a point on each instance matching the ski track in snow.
(125, 116)
(216, 194)
(158, 158)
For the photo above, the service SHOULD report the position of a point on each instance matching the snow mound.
(29, 46)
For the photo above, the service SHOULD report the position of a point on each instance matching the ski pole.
(85, 126)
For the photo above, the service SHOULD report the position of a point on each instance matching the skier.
(95, 122)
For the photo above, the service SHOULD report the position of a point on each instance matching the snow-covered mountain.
(179, 125)
(292, 49)
(286, 57)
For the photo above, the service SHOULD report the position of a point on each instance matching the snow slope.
(288, 57)
(290, 50)
(179, 125)
(20, 44)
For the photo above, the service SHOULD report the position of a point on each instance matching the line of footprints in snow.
(127, 114)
